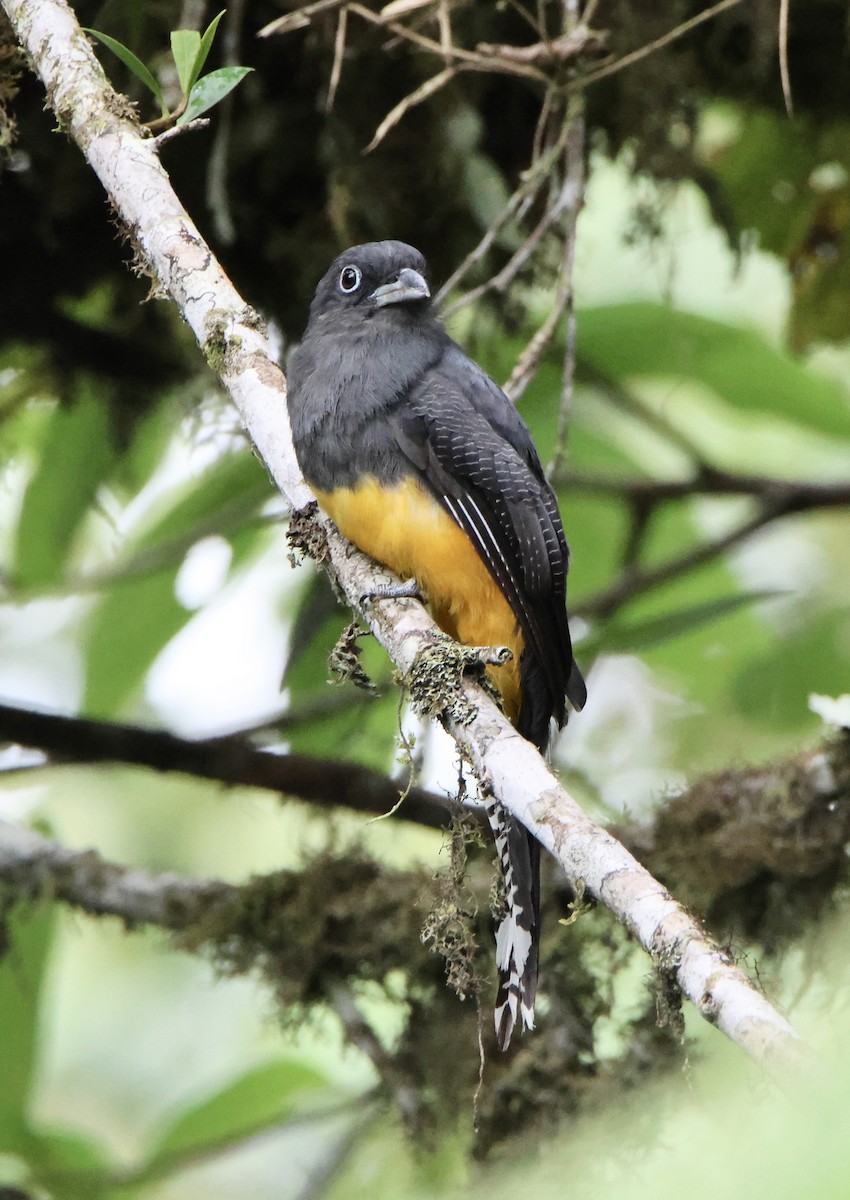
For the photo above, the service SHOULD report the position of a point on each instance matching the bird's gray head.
(373, 278)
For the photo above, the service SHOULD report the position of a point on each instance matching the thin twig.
(502, 280)
(339, 52)
(546, 109)
(784, 73)
(423, 92)
(530, 185)
(404, 8)
(777, 498)
(300, 18)
(529, 360)
(218, 195)
(641, 519)
(444, 23)
(575, 183)
(525, 367)
(639, 582)
(560, 50)
(175, 131)
(673, 35)
(799, 495)
(523, 13)
(474, 60)
(360, 1033)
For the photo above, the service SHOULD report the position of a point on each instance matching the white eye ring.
(350, 279)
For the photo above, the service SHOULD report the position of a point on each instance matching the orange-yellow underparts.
(405, 528)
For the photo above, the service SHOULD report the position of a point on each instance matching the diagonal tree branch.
(231, 336)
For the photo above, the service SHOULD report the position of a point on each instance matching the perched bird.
(422, 461)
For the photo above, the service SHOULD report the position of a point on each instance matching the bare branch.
(558, 50)
(34, 866)
(501, 281)
(397, 9)
(391, 1070)
(300, 18)
(575, 181)
(473, 60)
(423, 92)
(232, 760)
(776, 498)
(570, 202)
(637, 582)
(784, 73)
(673, 35)
(339, 53)
(799, 495)
(532, 181)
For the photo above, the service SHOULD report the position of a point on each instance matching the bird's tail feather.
(518, 935)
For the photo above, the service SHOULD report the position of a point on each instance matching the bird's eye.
(349, 279)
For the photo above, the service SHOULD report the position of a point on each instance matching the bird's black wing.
(468, 444)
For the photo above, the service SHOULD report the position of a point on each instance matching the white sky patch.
(203, 572)
(224, 669)
(783, 561)
(834, 710)
(39, 660)
(437, 755)
(691, 266)
(623, 735)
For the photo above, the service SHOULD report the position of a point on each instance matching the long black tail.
(518, 935)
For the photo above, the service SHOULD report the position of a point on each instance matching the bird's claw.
(407, 590)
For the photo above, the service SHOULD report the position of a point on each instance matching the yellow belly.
(405, 528)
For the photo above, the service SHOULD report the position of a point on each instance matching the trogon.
(422, 461)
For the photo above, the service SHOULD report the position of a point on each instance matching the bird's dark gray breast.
(344, 380)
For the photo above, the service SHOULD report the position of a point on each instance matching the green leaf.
(152, 434)
(317, 612)
(125, 634)
(185, 45)
(645, 339)
(774, 687)
(135, 64)
(768, 178)
(262, 1097)
(211, 89)
(75, 456)
(233, 484)
(71, 1165)
(206, 46)
(22, 975)
(140, 613)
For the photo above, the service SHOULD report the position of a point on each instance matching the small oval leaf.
(185, 44)
(135, 64)
(208, 91)
(205, 46)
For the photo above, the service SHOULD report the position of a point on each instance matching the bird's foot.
(408, 589)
